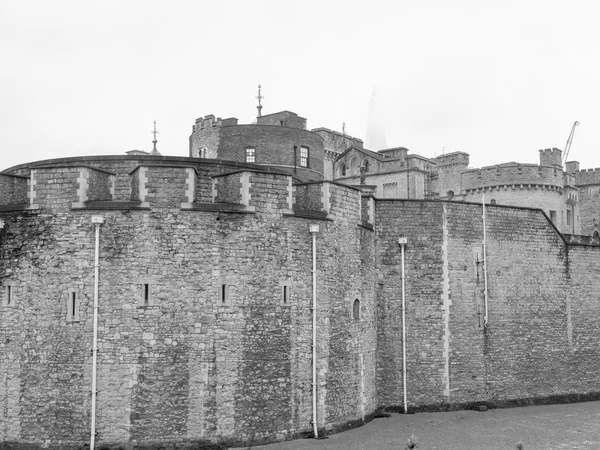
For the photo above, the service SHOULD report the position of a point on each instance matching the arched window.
(596, 234)
(353, 166)
(343, 170)
(366, 165)
(356, 309)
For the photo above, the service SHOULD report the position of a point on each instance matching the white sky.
(499, 80)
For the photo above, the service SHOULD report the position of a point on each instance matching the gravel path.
(572, 427)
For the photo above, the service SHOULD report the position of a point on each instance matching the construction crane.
(569, 142)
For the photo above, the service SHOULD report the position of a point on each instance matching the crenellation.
(205, 289)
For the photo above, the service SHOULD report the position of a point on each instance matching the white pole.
(97, 221)
(485, 285)
(314, 229)
(402, 241)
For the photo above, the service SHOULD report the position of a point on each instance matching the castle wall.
(13, 190)
(205, 137)
(282, 118)
(404, 184)
(336, 141)
(186, 363)
(535, 344)
(589, 207)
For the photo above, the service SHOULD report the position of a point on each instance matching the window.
(596, 234)
(72, 305)
(569, 219)
(223, 297)
(10, 298)
(303, 156)
(353, 166)
(356, 309)
(553, 216)
(343, 170)
(366, 165)
(146, 292)
(250, 154)
(285, 293)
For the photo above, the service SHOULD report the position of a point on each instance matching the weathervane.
(259, 97)
(154, 150)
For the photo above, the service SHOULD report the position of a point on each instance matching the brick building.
(205, 289)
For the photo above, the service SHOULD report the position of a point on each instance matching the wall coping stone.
(110, 204)
(219, 207)
(61, 166)
(317, 215)
(163, 166)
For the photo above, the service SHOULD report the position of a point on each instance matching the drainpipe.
(485, 284)
(402, 242)
(97, 221)
(295, 158)
(314, 229)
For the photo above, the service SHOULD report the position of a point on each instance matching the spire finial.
(344, 128)
(154, 132)
(259, 97)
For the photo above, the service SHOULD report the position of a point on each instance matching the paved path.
(572, 427)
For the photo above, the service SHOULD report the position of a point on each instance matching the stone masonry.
(205, 294)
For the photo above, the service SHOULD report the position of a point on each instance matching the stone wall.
(535, 284)
(212, 350)
(204, 140)
(13, 190)
(205, 318)
(589, 206)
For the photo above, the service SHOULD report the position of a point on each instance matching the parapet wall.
(551, 157)
(586, 177)
(452, 159)
(204, 324)
(526, 174)
(539, 341)
(14, 189)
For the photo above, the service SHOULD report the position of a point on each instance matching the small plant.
(412, 442)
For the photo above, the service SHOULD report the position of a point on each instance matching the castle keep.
(205, 289)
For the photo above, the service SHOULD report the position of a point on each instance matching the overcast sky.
(498, 80)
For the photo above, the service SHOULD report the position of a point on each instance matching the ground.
(572, 426)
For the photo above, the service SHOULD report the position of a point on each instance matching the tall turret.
(551, 157)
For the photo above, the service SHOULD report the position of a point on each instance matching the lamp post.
(314, 230)
(402, 240)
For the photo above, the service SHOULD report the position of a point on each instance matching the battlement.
(551, 157)
(508, 174)
(14, 189)
(210, 121)
(396, 152)
(589, 176)
(452, 159)
(283, 118)
(337, 142)
(184, 184)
